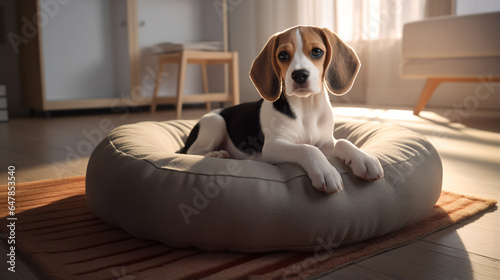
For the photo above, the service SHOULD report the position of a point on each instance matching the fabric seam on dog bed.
(243, 177)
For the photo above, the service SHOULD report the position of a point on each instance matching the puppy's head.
(301, 60)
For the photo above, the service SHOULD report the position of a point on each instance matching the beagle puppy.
(294, 121)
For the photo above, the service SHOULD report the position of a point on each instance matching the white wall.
(176, 21)
(79, 52)
(119, 39)
(212, 29)
(242, 29)
(466, 7)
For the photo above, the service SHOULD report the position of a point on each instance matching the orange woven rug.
(56, 231)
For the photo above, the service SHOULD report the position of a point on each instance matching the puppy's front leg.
(323, 175)
(362, 164)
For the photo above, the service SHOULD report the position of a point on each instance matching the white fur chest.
(313, 122)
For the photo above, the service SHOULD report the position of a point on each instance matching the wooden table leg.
(157, 86)
(429, 88)
(180, 84)
(205, 83)
(235, 82)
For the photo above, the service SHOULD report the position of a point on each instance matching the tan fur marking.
(285, 42)
(311, 39)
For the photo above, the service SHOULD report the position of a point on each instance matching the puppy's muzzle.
(300, 76)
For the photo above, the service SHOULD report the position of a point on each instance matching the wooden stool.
(203, 58)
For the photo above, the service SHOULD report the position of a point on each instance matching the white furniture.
(82, 54)
(98, 53)
(451, 49)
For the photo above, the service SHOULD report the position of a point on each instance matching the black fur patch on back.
(281, 105)
(243, 126)
(191, 138)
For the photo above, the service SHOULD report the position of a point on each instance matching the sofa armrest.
(453, 37)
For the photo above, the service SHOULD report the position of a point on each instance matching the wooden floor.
(44, 148)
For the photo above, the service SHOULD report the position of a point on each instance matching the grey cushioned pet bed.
(137, 181)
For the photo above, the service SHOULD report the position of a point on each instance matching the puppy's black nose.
(300, 76)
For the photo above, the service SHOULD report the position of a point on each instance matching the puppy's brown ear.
(342, 64)
(263, 74)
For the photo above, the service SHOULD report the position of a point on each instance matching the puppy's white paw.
(365, 166)
(218, 154)
(326, 178)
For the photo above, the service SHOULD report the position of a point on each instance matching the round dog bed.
(137, 181)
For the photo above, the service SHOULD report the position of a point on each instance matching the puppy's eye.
(316, 53)
(283, 56)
